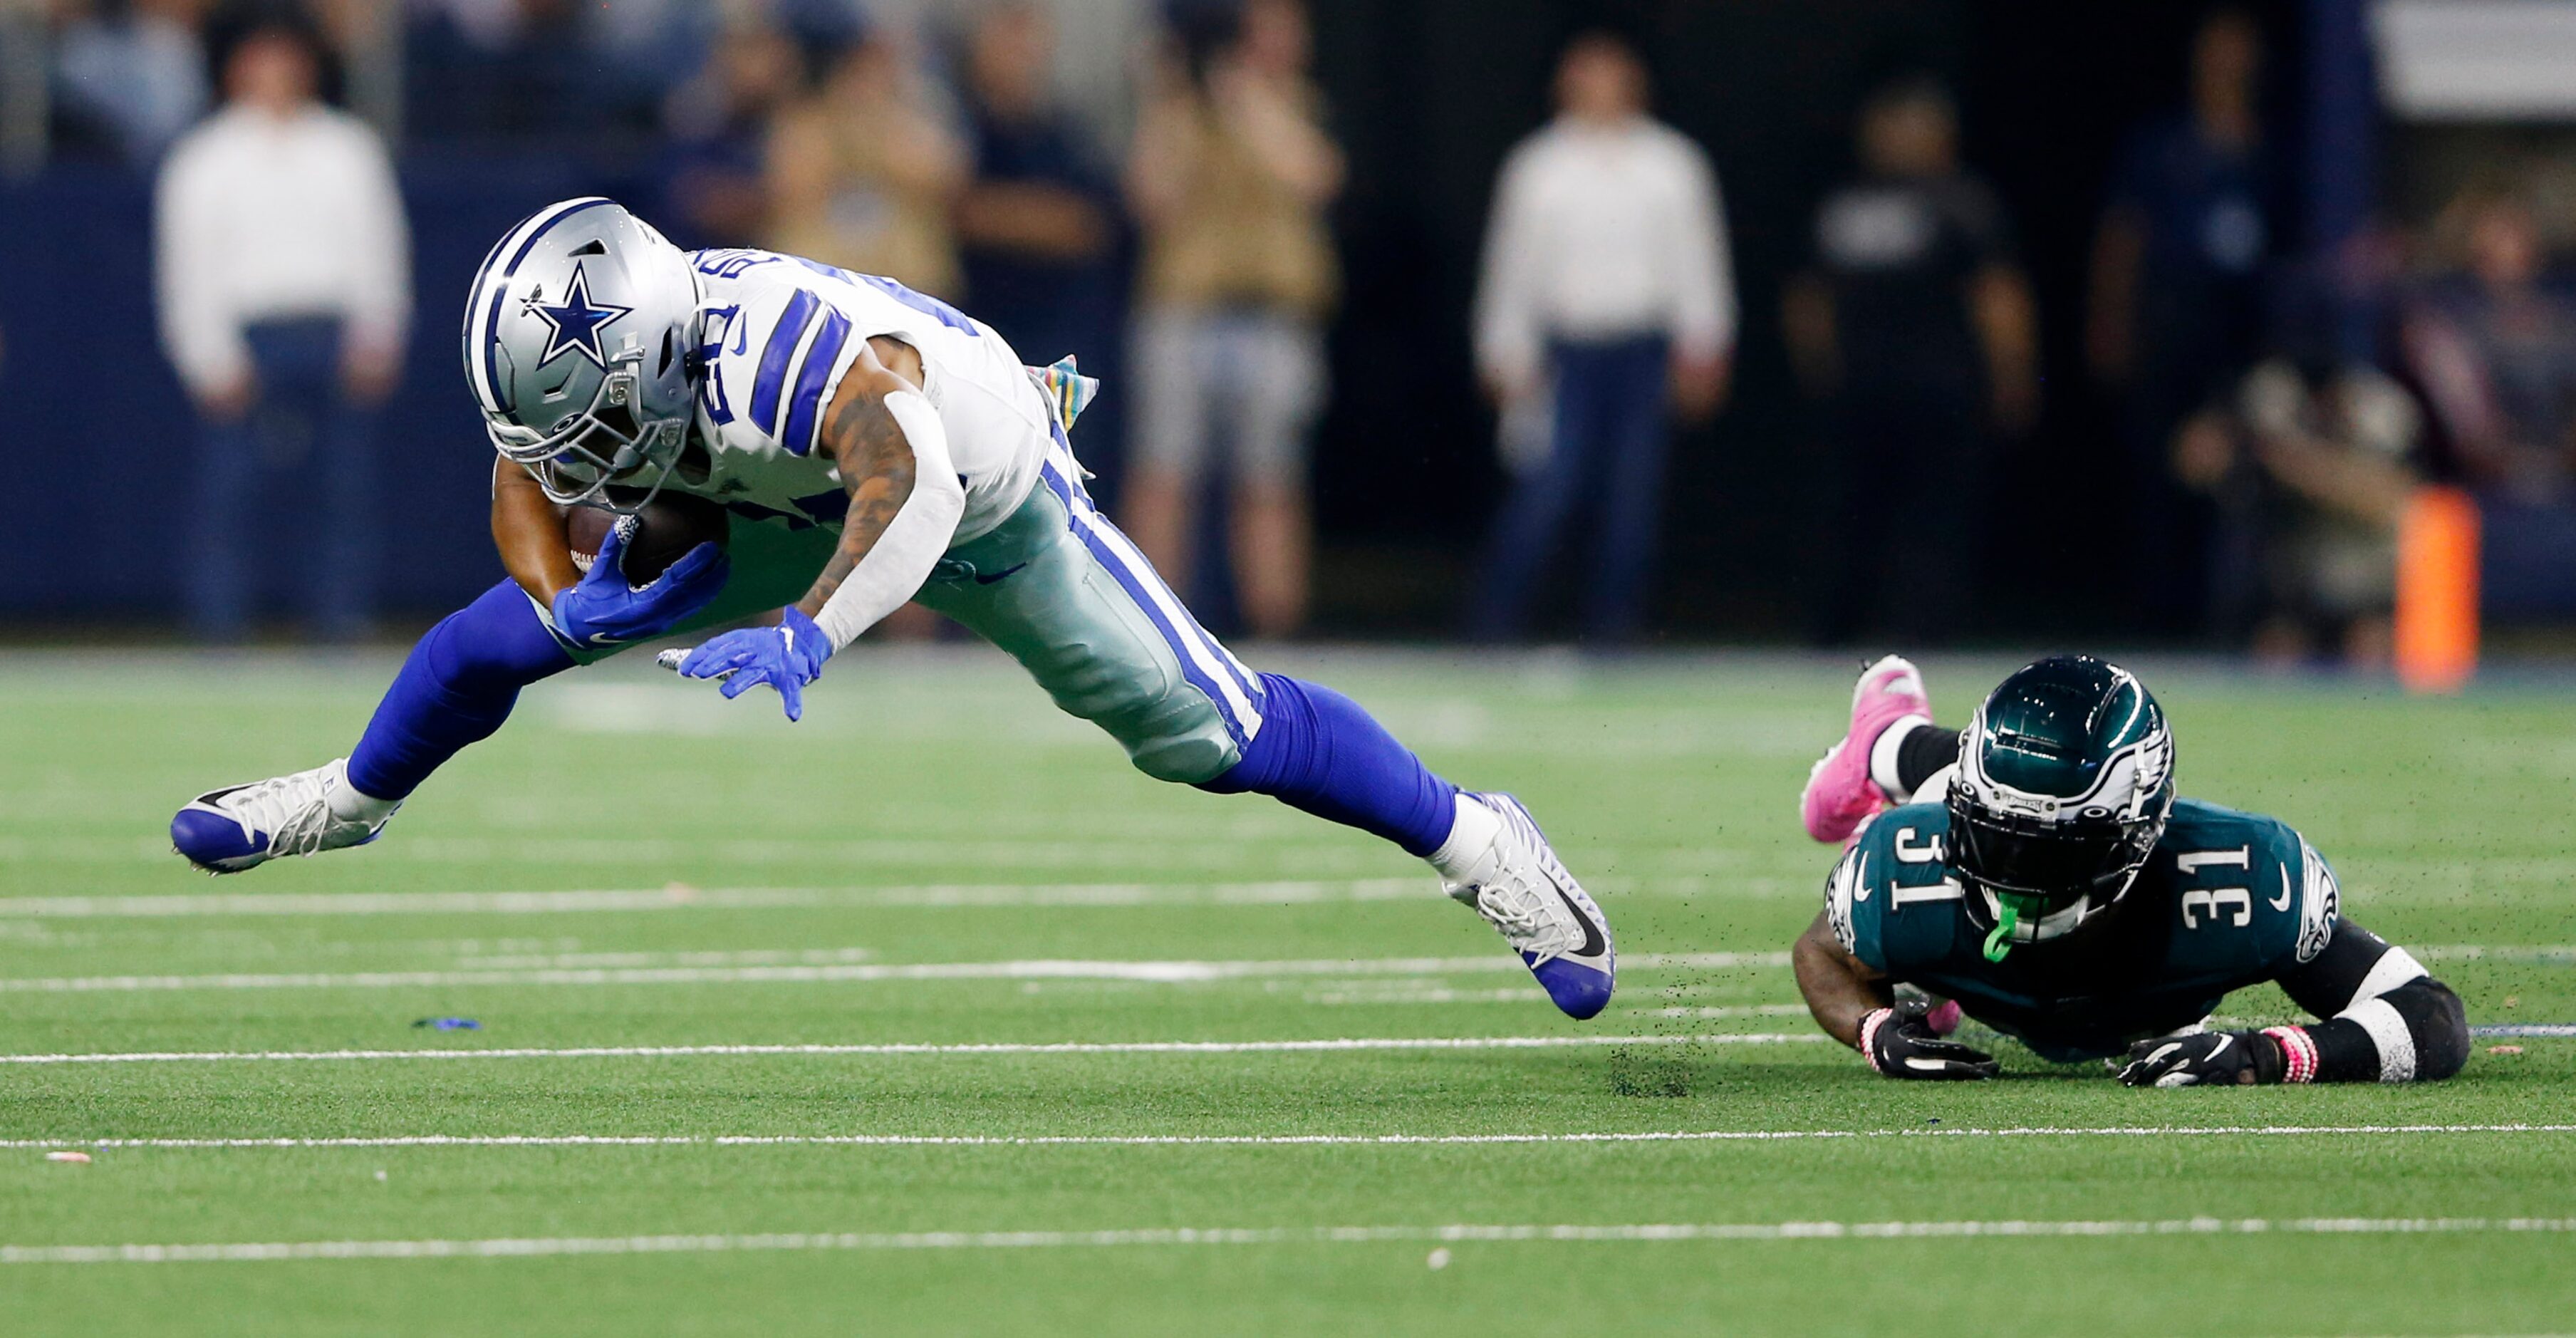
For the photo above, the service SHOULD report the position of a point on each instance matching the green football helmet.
(2065, 781)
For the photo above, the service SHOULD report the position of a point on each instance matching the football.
(665, 530)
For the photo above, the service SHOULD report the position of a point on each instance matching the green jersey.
(2226, 900)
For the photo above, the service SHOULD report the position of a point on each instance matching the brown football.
(665, 530)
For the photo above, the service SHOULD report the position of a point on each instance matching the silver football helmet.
(580, 341)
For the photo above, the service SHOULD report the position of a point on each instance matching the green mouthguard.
(2007, 915)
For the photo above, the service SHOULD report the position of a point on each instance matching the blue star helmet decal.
(576, 323)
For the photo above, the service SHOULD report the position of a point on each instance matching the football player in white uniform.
(870, 446)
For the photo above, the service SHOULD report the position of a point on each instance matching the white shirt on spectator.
(262, 218)
(1604, 232)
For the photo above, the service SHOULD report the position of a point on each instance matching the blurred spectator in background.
(132, 74)
(1608, 299)
(715, 184)
(2495, 352)
(2310, 461)
(1230, 176)
(1038, 226)
(501, 69)
(284, 267)
(642, 49)
(1917, 328)
(2177, 303)
(861, 176)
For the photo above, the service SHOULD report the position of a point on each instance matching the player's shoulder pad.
(1892, 885)
(1845, 893)
(2320, 901)
(742, 295)
(774, 341)
(2294, 895)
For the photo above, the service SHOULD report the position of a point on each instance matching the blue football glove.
(603, 610)
(786, 657)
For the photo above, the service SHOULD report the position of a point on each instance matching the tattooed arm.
(886, 440)
(877, 460)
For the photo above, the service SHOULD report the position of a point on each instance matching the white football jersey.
(779, 332)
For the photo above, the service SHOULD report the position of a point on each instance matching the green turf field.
(1045, 1001)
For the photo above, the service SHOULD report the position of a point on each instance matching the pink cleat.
(1840, 796)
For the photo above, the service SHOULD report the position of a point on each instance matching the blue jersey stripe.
(774, 357)
(808, 404)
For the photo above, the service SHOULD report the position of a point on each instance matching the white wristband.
(893, 571)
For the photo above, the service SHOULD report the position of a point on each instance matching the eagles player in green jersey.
(2053, 886)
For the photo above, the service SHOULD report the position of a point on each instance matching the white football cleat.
(244, 826)
(1524, 891)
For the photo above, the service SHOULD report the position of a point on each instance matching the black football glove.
(2204, 1059)
(1900, 1044)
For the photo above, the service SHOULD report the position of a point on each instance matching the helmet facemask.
(2040, 878)
(604, 446)
(580, 342)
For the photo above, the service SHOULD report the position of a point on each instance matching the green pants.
(1057, 588)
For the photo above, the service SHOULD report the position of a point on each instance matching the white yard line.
(553, 1246)
(1155, 972)
(1397, 994)
(1713, 1011)
(1250, 1140)
(2555, 954)
(765, 851)
(1212, 855)
(550, 961)
(919, 1048)
(683, 897)
(984, 1048)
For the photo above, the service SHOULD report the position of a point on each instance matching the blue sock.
(457, 687)
(1318, 751)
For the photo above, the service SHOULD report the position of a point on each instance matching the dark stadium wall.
(1429, 95)
(99, 434)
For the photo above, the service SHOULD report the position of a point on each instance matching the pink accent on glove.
(1877, 1018)
(2298, 1053)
